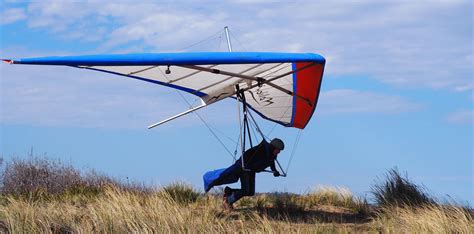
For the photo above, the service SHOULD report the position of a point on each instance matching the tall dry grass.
(119, 211)
(335, 196)
(429, 218)
(86, 204)
(321, 196)
(404, 206)
(398, 190)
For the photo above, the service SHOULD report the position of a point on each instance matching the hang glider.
(281, 87)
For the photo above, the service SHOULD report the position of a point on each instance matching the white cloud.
(61, 96)
(340, 101)
(462, 117)
(12, 15)
(407, 44)
(162, 31)
(465, 87)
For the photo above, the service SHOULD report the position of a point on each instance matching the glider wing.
(281, 87)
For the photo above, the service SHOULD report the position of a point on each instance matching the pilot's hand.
(276, 173)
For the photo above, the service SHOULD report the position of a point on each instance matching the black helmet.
(277, 143)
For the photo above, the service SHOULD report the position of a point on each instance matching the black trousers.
(247, 187)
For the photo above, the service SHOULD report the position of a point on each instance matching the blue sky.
(397, 90)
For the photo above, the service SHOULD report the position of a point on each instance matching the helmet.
(277, 143)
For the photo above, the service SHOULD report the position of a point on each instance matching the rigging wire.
(199, 116)
(257, 127)
(212, 131)
(253, 130)
(238, 142)
(220, 42)
(294, 145)
(213, 36)
(223, 134)
(253, 122)
(235, 38)
(293, 151)
(240, 128)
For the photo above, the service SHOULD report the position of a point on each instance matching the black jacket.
(259, 157)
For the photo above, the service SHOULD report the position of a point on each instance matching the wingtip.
(9, 61)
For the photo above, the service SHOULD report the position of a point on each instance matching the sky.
(397, 90)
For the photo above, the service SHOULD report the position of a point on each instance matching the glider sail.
(281, 87)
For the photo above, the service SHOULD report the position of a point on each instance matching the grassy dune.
(100, 204)
(428, 218)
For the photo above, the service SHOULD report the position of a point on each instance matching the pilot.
(256, 159)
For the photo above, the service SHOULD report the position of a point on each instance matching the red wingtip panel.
(308, 84)
(7, 61)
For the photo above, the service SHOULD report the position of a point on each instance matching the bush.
(181, 193)
(286, 203)
(36, 175)
(399, 191)
(37, 178)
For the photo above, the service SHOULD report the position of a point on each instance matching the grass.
(397, 190)
(338, 197)
(181, 193)
(101, 204)
(428, 218)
